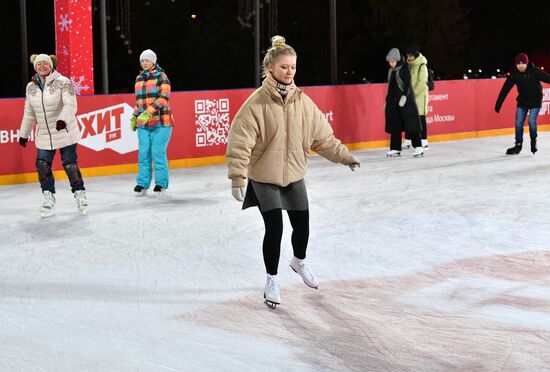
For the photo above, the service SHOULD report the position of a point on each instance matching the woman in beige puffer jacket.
(50, 105)
(269, 143)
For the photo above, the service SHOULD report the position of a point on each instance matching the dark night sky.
(216, 52)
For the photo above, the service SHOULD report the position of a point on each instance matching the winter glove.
(133, 123)
(23, 142)
(355, 163)
(60, 125)
(144, 117)
(402, 101)
(238, 192)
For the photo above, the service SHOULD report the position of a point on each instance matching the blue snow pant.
(152, 151)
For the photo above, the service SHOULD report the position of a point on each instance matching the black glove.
(60, 125)
(23, 142)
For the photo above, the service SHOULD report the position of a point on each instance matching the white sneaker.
(81, 200)
(393, 153)
(48, 207)
(425, 144)
(301, 268)
(418, 151)
(272, 294)
(406, 144)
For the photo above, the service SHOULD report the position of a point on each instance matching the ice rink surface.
(433, 264)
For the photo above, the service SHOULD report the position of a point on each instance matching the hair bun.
(54, 60)
(277, 41)
(32, 58)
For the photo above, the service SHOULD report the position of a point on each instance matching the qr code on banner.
(212, 121)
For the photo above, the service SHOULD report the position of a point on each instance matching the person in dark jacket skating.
(527, 79)
(401, 110)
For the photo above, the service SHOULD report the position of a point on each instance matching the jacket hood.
(419, 60)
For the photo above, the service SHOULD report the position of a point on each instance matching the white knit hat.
(42, 58)
(149, 55)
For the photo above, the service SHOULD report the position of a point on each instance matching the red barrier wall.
(457, 109)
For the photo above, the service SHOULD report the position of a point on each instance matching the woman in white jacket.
(50, 105)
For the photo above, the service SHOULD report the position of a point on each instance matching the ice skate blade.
(419, 156)
(393, 156)
(47, 214)
(140, 193)
(271, 305)
(83, 211)
(303, 278)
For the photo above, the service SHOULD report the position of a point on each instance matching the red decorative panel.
(74, 44)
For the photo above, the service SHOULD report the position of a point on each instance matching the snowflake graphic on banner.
(64, 22)
(79, 85)
(212, 122)
(64, 51)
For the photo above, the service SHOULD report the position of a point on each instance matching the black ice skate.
(140, 190)
(159, 191)
(533, 145)
(514, 150)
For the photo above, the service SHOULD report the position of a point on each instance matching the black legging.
(273, 221)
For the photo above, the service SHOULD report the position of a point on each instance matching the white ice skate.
(48, 207)
(425, 144)
(418, 152)
(81, 201)
(272, 294)
(393, 154)
(406, 144)
(300, 267)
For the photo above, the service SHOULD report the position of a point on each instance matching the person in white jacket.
(50, 105)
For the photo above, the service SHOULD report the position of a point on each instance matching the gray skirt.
(267, 196)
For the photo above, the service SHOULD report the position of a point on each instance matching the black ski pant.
(273, 221)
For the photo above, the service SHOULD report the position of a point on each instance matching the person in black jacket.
(401, 110)
(527, 79)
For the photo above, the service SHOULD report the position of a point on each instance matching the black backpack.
(431, 82)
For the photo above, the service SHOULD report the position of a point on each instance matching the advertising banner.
(202, 121)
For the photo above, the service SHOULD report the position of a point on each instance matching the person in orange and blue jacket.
(152, 118)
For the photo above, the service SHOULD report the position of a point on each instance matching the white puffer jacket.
(44, 108)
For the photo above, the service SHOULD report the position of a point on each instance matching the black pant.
(44, 160)
(395, 140)
(273, 221)
(423, 133)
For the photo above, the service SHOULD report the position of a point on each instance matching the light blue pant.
(152, 151)
(521, 114)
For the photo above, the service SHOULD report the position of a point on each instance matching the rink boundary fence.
(215, 160)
